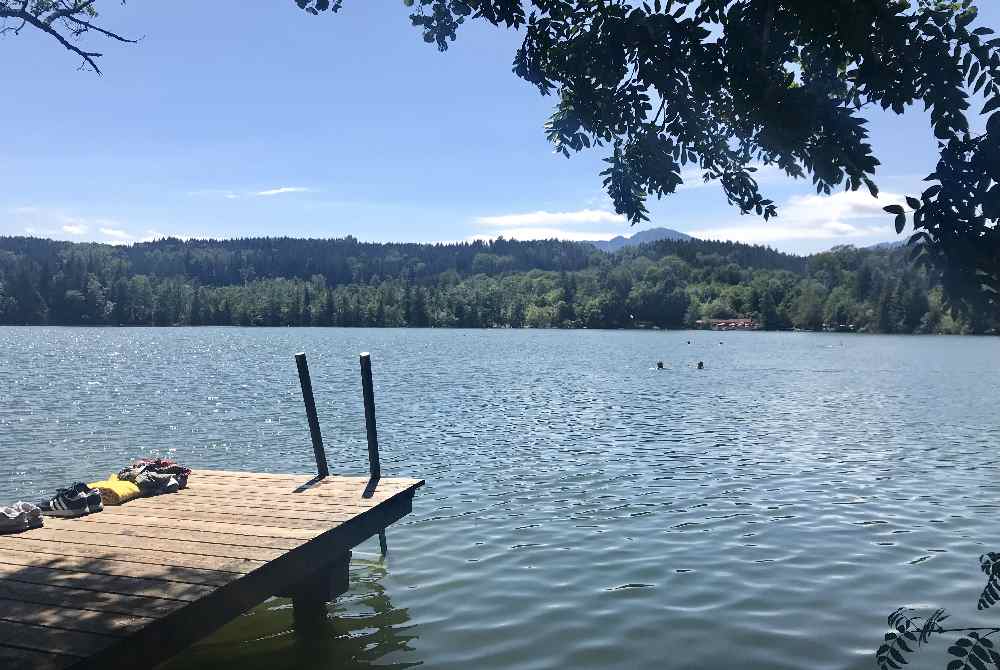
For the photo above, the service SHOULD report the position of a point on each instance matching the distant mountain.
(643, 236)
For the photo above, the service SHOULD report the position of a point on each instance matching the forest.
(481, 284)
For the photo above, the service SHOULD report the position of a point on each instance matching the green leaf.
(912, 202)
(900, 223)
(893, 209)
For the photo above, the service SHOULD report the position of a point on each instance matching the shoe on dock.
(19, 517)
(70, 502)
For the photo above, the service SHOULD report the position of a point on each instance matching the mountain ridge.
(640, 237)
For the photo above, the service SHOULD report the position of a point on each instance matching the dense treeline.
(344, 282)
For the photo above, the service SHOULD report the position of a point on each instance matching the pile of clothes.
(144, 478)
(154, 476)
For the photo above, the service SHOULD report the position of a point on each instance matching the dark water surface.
(582, 510)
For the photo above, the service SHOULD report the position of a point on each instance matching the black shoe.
(67, 502)
(94, 502)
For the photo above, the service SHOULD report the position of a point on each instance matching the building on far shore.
(727, 324)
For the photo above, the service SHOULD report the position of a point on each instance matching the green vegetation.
(293, 282)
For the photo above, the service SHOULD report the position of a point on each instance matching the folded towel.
(116, 491)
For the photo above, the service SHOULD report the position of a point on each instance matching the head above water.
(701, 365)
(659, 365)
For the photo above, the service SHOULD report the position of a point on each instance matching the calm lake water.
(582, 509)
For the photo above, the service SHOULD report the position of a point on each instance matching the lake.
(582, 509)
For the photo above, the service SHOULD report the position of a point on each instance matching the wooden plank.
(96, 523)
(237, 478)
(288, 501)
(166, 524)
(347, 498)
(68, 618)
(43, 638)
(329, 484)
(99, 583)
(191, 509)
(269, 503)
(236, 475)
(116, 554)
(17, 658)
(221, 519)
(277, 507)
(31, 558)
(179, 545)
(67, 596)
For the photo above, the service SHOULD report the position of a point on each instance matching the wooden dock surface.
(133, 585)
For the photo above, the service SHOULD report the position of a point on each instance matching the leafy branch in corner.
(66, 21)
(973, 651)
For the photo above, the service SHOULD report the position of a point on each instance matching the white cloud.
(116, 233)
(550, 220)
(576, 225)
(74, 228)
(283, 189)
(847, 214)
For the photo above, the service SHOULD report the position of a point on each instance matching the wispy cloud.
(74, 229)
(844, 215)
(230, 194)
(283, 189)
(581, 224)
(550, 219)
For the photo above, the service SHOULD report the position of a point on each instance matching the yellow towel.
(114, 491)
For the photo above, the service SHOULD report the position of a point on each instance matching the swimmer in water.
(659, 365)
(701, 365)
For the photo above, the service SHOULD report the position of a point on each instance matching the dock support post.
(374, 463)
(310, 597)
(307, 398)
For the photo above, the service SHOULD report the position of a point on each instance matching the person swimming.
(701, 365)
(659, 365)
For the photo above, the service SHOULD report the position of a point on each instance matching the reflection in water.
(363, 630)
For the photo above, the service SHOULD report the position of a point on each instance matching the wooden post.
(374, 466)
(307, 398)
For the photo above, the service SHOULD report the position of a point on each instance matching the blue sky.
(235, 119)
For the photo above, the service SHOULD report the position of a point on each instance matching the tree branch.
(108, 33)
(31, 19)
(61, 20)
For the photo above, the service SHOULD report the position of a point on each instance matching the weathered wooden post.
(374, 464)
(307, 398)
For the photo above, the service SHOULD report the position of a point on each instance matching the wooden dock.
(133, 585)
